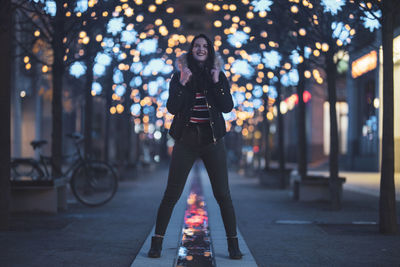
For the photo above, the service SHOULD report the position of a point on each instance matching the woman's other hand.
(215, 75)
(185, 76)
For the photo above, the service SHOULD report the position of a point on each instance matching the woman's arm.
(222, 92)
(176, 95)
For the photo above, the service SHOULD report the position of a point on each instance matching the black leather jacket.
(182, 98)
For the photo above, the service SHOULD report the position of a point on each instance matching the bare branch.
(29, 52)
(32, 21)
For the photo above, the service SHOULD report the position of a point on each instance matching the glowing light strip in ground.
(195, 248)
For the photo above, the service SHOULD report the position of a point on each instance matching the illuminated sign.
(364, 64)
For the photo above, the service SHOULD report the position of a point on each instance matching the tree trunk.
(281, 142)
(57, 82)
(108, 95)
(267, 148)
(88, 103)
(5, 98)
(301, 126)
(334, 139)
(387, 199)
(126, 116)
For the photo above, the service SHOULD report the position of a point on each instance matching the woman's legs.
(182, 161)
(214, 158)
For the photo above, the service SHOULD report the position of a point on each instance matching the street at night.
(199, 133)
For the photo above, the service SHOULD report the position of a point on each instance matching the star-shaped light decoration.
(77, 69)
(370, 22)
(262, 5)
(332, 6)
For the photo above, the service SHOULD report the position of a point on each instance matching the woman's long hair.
(209, 63)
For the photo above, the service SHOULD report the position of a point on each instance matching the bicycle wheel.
(94, 183)
(25, 170)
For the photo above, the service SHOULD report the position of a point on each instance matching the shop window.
(342, 111)
(368, 121)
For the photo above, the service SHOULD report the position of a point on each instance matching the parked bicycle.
(93, 182)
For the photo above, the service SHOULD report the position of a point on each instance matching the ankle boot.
(233, 248)
(156, 245)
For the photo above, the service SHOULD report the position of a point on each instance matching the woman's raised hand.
(185, 75)
(215, 75)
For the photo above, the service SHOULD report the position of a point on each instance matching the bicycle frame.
(44, 161)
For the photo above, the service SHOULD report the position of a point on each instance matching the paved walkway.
(282, 232)
(277, 230)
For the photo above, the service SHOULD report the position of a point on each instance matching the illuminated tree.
(54, 25)
(329, 30)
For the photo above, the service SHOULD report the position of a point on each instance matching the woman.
(198, 95)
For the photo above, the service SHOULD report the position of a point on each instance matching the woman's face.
(200, 49)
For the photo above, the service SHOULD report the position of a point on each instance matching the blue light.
(285, 80)
(370, 22)
(272, 93)
(257, 91)
(120, 90)
(137, 67)
(135, 109)
(332, 6)
(294, 76)
(153, 88)
(118, 77)
(255, 59)
(147, 46)
(167, 69)
(262, 5)
(103, 59)
(155, 65)
(229, 116)
(243, 68)
(160, 80)
(109, 42)
(115, 25)
(307, 52)
(51, 7)
(99, 69)
(239, 37)
(129, 37)
(339, 31)
(257, 103)
(77, 69)
(271, 59)
(136, 82)
(295, 57)
(96, 87)
(148, 110)
(239, 97)
(290, 78)
(81, 6)
(164, 95)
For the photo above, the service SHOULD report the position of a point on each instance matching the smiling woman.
(198, 95)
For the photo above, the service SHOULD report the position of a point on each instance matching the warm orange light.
(45, 68)
(364, 64)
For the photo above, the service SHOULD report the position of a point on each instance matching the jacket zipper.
(209, 113)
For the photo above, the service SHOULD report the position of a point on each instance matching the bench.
(313, 187)
(47, 196)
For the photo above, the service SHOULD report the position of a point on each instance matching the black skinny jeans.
(195, 143)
